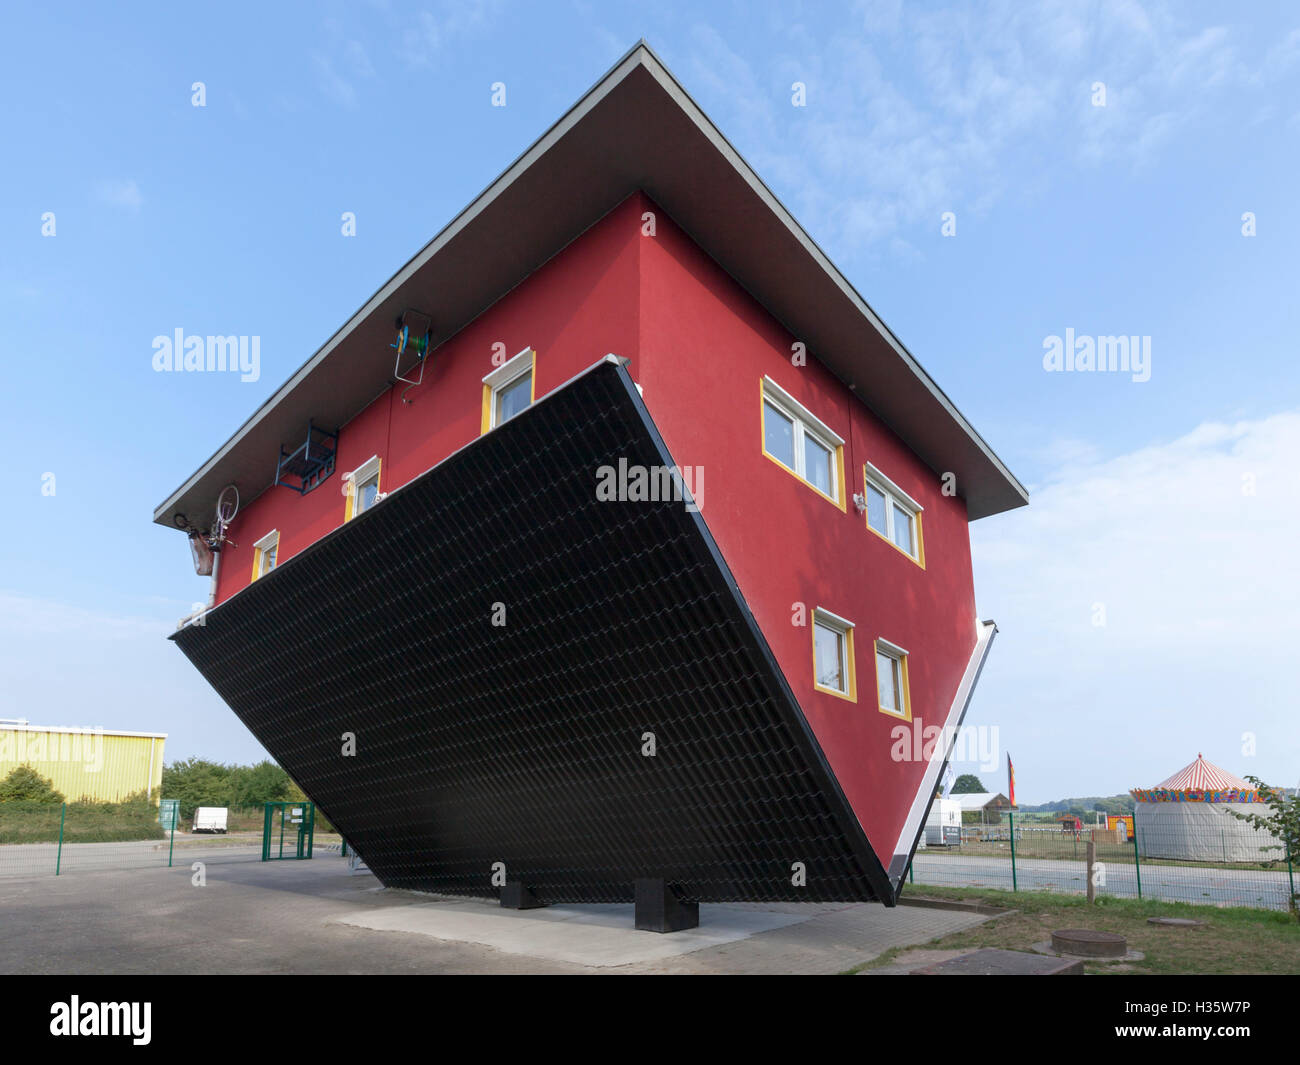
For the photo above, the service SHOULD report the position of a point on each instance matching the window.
(891, 680)
(265, 551)
(508, 389)
(893, 514)
(833, 671)
(363, 488)
(795, 438)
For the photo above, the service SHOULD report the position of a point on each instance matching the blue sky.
(1170, 503)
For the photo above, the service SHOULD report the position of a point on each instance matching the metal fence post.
(171, 847)
(1137, 865)
(1011, 819)
(911, 876)
(58, 862)
(1290, 878)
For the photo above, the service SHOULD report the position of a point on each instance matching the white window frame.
(844, 629)
(894, 496)
(367, 471)
(503, 377)
(271, 539)
(899, 655)
(806, 423)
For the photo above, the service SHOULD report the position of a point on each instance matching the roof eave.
(881, 371)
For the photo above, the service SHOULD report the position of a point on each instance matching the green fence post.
(344, 850)
(1290, 877)
(911, 876)
(172, 845)
(1011, 818)
(58, 862)
(1137, 865)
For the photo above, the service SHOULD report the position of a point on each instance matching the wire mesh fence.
(1171, 865)
(55, 839)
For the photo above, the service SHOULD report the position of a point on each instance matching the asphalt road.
(1261, 889)
(318, 917)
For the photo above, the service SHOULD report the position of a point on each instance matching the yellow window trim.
(901, 657)
(919, 557)
(259, 549)
(350, 499)
(846, 628)
(485, 423)
(839, 454)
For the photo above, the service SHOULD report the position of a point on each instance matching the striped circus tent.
(1189, 815)
(1204, 776)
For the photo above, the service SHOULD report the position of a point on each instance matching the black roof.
(522, 743)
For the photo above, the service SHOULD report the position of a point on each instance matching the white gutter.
(87, 731)
(985, 631)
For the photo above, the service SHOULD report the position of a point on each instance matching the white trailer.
(943, 826)
(210, 819)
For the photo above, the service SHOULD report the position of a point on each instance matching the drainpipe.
(212, 588)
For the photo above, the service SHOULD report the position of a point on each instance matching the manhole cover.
(1175, 922)
(1089, 944)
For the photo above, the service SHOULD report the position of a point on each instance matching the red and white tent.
(1190, 815)
(1204, 776)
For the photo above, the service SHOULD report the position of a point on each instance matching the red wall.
(578, 307)
(699, 346)
(705, 345)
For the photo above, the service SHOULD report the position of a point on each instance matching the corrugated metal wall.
(86, 765)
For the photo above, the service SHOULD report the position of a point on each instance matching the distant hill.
(1107, 804)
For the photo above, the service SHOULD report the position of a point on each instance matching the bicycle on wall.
(205, 546)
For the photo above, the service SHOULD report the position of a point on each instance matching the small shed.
(989, 805)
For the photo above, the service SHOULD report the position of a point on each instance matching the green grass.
(1061, 846)
(1232, 941)
(86, 822)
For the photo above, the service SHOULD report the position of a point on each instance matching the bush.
(197, 782)
(24, 784)
(134, 818)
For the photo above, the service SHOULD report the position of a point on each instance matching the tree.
(258, 784)
(24, 784)
(969, 784)
(198, 782)
(1282, 821)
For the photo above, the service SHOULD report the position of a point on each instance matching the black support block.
(659, 909)
(517, 896)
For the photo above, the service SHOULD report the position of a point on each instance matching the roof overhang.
(634, 129)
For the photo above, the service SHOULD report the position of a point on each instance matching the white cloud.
(124, 194)
(81, 664)
(914, 110)
(1199, 580)
(421, 43)
(21, 614)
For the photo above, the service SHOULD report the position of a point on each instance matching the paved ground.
(1259, 888)
(317, 917)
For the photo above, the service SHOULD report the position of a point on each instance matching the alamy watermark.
(919, 742)
(1088, 354)
(85, 745)
(179, 353)
(630, 483)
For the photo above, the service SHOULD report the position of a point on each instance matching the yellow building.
(103, 765)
